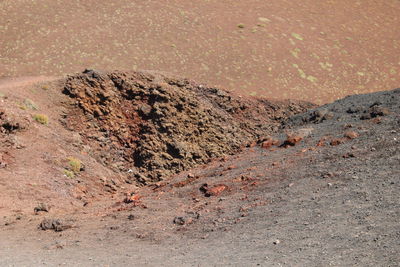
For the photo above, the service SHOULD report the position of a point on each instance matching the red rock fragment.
(252, 144)
(351, 134)
(269, 142)
(337, 141)
(190, 178)
(213, 191)
(231, 167)
(291, 140)
(321, 143)
(132, 198)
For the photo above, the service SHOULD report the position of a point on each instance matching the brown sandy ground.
(317, 51)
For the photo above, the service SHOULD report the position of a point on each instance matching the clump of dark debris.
(54, 224)
(360, 107)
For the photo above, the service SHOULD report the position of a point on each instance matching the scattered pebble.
(182, 220)
(351, 134)
(276, 242)
(41, 207)
(53, 224)
(214, 190)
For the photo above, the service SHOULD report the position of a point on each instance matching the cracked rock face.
(156, 126)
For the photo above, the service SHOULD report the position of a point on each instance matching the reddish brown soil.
(35, 156)
(311, 50)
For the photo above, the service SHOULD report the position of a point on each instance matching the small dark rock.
(348, 155)
(321, 115)
(351, 134)
(214, 190)
(291, 140)
(352, 110)
(376, 111)
(337, 141)
(41, 207)
(145, 110)
(179, 220)
(95, 74)
(276, 242)
(53, 224)
(366, 116)
(327, 175)
(377, 103)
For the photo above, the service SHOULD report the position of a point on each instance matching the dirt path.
(8, 83)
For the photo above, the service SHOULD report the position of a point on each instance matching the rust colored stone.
(291, 140)
(337, 141)
(132, 198)
(213, 191)
(351, 134)
(269, 143)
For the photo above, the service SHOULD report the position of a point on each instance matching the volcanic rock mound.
(10, 124)
(150, 126)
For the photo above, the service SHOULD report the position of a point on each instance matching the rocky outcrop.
(151, 126)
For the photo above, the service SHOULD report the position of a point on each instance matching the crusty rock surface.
(151, 126)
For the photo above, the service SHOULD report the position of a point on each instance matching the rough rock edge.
(150, 126)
